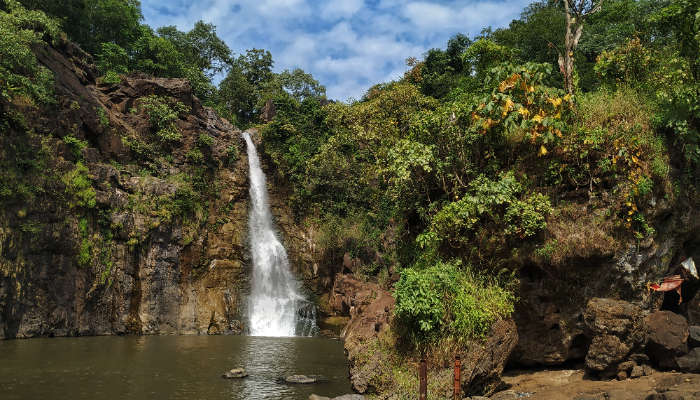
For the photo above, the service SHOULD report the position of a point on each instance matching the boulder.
(612, 317)
(483, 364)
(235, 373)
(637, 372)
(626, 366)
(667, 338)
(694, 336)
(606, 351)
(690, 362)
(370, 308)
(616, 328)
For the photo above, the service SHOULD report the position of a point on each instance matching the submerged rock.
(304, 379)
(235, 373)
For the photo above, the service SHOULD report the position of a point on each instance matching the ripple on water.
(168, 367)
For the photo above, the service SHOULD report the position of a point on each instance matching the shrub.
(21, 76)
(204, 140)
(76, 145)
(195, 156)
(446, 300)
(162, 113)
(490, 202)
(79, 187)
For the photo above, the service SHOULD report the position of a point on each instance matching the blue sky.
(348, 45)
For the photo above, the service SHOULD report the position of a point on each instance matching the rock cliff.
(124, 209)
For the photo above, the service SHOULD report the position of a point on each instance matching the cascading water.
(275, 308)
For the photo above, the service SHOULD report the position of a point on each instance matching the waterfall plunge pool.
(169, 367)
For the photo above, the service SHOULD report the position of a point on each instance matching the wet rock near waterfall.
(667, 338)
(235, 373)
(303, 379)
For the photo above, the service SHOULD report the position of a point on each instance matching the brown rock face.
(615, 328)
(164, 244)
(605, 350)
(668, 338)
(370, 309)
(484, 363)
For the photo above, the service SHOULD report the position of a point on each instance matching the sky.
(348, 45)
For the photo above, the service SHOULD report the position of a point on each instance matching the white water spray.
(275, 306)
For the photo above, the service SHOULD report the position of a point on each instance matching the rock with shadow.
(235, 373)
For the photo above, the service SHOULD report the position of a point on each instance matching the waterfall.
(275, 305)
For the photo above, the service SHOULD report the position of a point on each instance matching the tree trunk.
(574, 28)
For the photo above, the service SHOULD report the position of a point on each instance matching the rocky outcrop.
(126, 233)
(552, 299)
(615, 329)
(370, 309)
(668, 338)
(484, 362)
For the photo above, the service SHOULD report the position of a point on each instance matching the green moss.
(79, 187)
(84, 253)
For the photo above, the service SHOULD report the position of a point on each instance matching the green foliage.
(243, 91)
(79, 187)
(300, 85)
(94, 22)
(204, 140)
(447, 300)
(201, 47)
(112, 60)
(76, 145)
(162, 113)
(195, 156)
(486, 203)
(103, 117)
(21, 76)
(231, 155)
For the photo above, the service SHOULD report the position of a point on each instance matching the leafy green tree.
(301, 85)
(93, 22)
(201, 47)
(441, 70)
(243, 90)
(536, 35)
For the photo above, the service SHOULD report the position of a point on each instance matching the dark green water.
(168, 367)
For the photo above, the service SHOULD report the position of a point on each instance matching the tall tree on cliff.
(577, 11)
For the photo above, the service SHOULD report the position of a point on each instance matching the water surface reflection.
(167, 367)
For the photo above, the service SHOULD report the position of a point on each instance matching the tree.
(93, 22)
(535, 35)
(201, 47)
(576, 11)
(301, 85)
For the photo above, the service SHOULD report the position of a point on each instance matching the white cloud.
(348, 45)
(335, 9)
